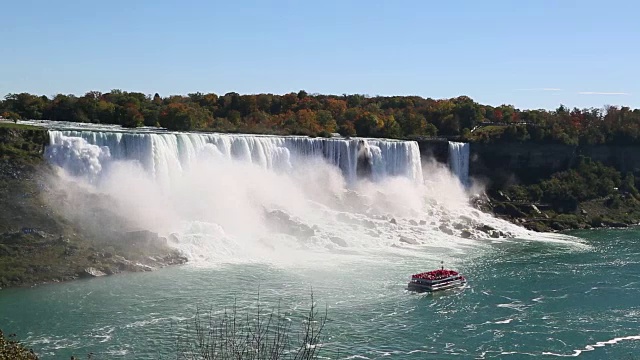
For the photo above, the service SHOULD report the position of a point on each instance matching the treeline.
(321, 115)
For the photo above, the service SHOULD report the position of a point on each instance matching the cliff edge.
(38, 243)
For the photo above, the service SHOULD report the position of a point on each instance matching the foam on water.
(242, 198)
(593, 347)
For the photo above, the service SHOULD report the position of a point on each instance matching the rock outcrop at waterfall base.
(38, 244)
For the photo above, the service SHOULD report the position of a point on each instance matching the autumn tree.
(10, 115)
(350, 115)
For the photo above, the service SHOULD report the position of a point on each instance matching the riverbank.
(597, 213)
(587, 195)
(39, 244)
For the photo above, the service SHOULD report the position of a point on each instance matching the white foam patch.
(594, 346)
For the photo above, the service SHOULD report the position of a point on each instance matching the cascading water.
(459, 161)
(223, 197)
(164, 155)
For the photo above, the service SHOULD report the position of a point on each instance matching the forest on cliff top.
(400, 117)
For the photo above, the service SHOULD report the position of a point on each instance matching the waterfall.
(459, 161)
(164, 155)
(282, 199)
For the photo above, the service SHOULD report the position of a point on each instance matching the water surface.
(524, 299)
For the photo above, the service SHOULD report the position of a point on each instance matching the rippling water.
(524, 299)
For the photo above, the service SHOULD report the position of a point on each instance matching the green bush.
(568, 219)
(614, 202)
(596, 221)
(587, 180)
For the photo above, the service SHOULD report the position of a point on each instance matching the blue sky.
(533, 54)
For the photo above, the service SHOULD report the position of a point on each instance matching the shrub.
(596, 221)
(614, 202)
(568, 219)
(233, 336)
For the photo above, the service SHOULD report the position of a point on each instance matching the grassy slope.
(15, 126)
(490, 132)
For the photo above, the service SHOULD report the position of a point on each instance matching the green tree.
(26, 105)
(326, 121)
(62, 108)
(412, 123)
(629, 184)
(368, 124)
(183, 117)
(391, 129)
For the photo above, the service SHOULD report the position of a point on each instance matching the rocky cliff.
(38, 243)
(503, 164)
(434, 149)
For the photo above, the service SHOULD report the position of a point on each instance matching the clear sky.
(529, 53)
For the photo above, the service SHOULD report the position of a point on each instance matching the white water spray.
(238, 198)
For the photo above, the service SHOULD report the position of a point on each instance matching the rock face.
(144, 238)
(409, 241)
(91, 272)
(338, 241)
(109, 264)
(445, 229)
(504, 163)
(280, 221)
(437, 149)
(40, 243)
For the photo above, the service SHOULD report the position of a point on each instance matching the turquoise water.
(524, 300)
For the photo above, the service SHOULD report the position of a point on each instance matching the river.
(524, 299)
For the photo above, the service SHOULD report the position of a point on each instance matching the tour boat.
(435, 280)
